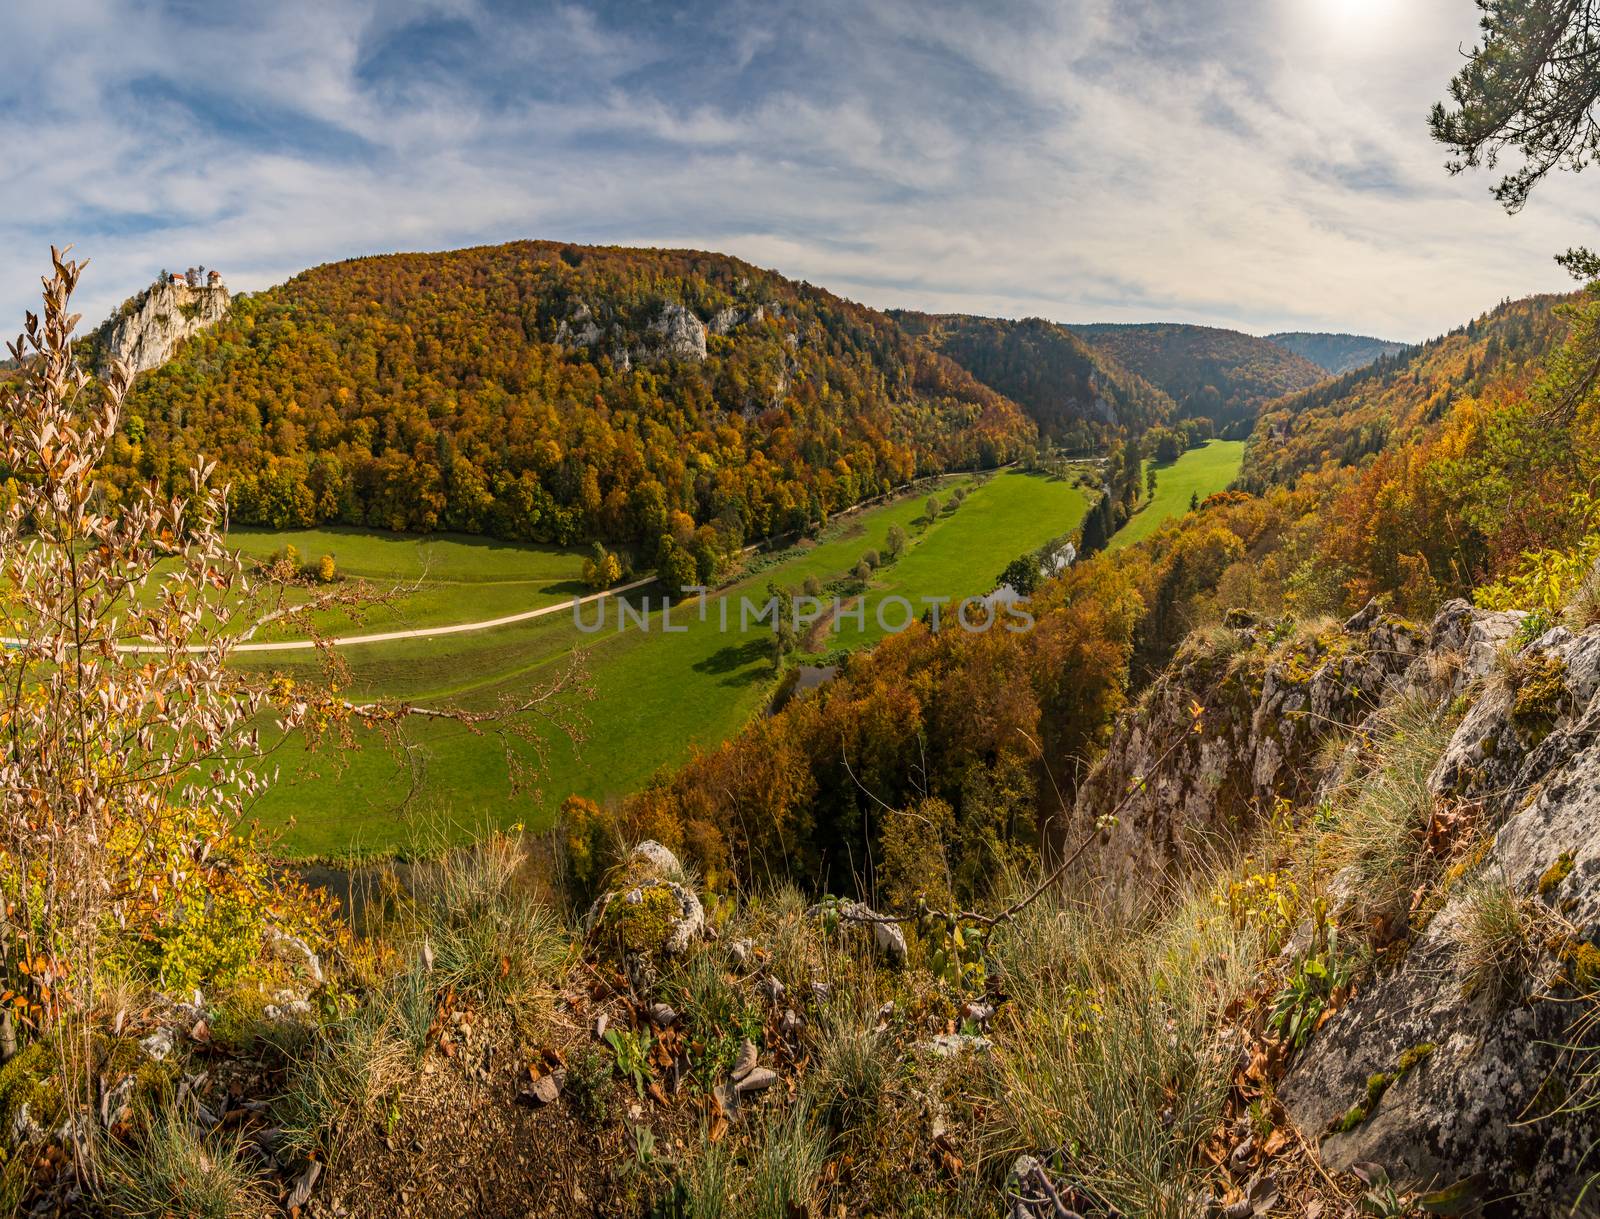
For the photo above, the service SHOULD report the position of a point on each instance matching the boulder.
(650, 908)
(887, 937)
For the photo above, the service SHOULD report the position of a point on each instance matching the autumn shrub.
(126, 727)
(585, 844)
(203, 903)
(915, 862)
(1544, 581)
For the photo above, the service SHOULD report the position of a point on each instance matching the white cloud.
(1264, 165)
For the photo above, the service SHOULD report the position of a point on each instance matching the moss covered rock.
(648, 907)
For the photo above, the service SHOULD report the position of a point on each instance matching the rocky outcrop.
(677, 334)
(650, 907)
(579, 330)
(1177, 782)
(673, 332)
(1495, 1088)
(725, 321)
(149, 327)
(1461, 1062)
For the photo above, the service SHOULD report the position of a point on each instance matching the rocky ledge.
(149, 327)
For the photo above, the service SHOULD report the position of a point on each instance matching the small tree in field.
(896, 541)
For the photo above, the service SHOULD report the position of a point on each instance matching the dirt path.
(425, 632)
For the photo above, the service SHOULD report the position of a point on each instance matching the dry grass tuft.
(171, 1170)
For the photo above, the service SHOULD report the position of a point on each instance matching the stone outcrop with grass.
(1427, 800)
(1499, 960)
(1233, 727)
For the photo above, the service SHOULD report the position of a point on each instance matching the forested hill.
(552, 392)
(1223, 375)
(1347, 419)
(1077, 395)
(1336, 353)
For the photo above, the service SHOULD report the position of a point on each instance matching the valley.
(1196, 474)
(794, 618)
(657, 694)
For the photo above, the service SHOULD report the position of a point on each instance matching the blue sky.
(1252, 163)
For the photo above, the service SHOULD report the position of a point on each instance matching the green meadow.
(1203, 471)
(656, 693)
(436, 579)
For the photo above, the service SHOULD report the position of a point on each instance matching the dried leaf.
(307, 1181)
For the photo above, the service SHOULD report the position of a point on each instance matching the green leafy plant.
(632, 1051)
(1381, 1198)
(1309, 991)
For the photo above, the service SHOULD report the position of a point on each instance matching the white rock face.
(678, 334)
(675, 333)
(727, 320)
(580, 330)
(146, 336)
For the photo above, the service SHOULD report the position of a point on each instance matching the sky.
(1261, 164)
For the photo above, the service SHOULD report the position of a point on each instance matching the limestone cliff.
(1271, 696)
(148, 328)
(1462, 1053)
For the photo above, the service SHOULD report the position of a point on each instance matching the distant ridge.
(1350, 418)
(1337, 353)
(1077, 394)
(1222, 375)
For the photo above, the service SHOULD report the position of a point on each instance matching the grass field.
(657, 695)
(445, 578)
(1203, 471)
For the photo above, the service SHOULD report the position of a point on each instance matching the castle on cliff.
(194, 277)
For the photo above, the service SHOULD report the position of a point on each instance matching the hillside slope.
(1354, 416)
(1076, 394)
(546, 392)
(1222, 375)
(1335, 353)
